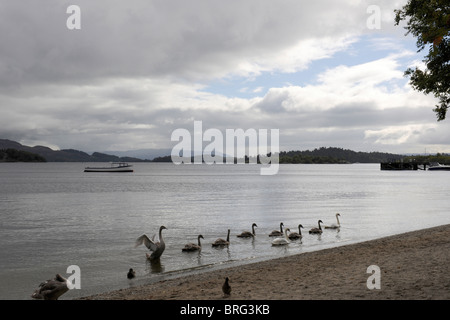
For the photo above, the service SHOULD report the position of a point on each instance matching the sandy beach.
(414, 265)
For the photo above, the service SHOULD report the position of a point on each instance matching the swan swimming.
(276, 233)
(220, 242)
(152, 245)
(316, 230)
(282, 241)
(335, 226)
(248, 234)
(295, 235)
(193, 246)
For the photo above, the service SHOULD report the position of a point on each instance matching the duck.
(193, 246)
(51, 289)
(295, 235)
(316, 230)
(276, 233)
(226, 288)
(335, 226)
(220, 242)
(131, 274)
(282, 241)
(157, 247)
(248, 234)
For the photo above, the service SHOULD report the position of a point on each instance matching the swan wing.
(150, 244)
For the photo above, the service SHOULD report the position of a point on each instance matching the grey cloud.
(192, 39)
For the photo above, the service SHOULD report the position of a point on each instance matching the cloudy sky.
(325, 73)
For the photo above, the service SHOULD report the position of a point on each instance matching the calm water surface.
(53, 215)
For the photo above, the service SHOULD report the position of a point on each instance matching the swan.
(335, 226)
(131, 274)
(193, 246)
(248, 234)
(220, 242)
(316, 230)
(282, 241)
(295, 235)
(276, 233)
(226, 288)
(152, 245)
(51, 289)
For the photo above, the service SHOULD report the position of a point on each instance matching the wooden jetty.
(402, 166)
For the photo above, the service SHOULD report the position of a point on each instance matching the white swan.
(276, 233)
(51, 289)
(295, 235)
(156, 246)
(248, 234)
(220, 242)
(335, 226)
(193, 246)
(316, 230)
(282, 241)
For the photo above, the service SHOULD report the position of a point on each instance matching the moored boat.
(438, 166)
(115, 167)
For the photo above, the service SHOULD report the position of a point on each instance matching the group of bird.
(52, 289)
(283, 238)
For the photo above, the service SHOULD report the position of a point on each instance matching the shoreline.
(413, 265)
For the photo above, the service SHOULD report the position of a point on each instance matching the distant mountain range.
(320, 155)
(71, 155)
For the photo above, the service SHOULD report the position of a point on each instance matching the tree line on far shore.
(14, 155)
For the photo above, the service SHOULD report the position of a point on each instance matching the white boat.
(115, 167)
(438, 166)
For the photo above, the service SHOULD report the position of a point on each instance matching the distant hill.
(65, 155)
(149, 154)
(320, 155)
(336, 155)
(14, 155)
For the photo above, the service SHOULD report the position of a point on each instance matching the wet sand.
(413, 265)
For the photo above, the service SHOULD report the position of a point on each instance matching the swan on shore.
(51, 289)
(335, 226)
(156, 246)
(220, 242)
(295, 235)
(276, 233)
(193, 246)
(248, 234)
(316, 230)
(282, 241)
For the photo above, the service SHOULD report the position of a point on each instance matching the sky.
(123, 75)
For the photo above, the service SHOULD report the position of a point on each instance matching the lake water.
(53, 215)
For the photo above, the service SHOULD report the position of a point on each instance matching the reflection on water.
(154, 266)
